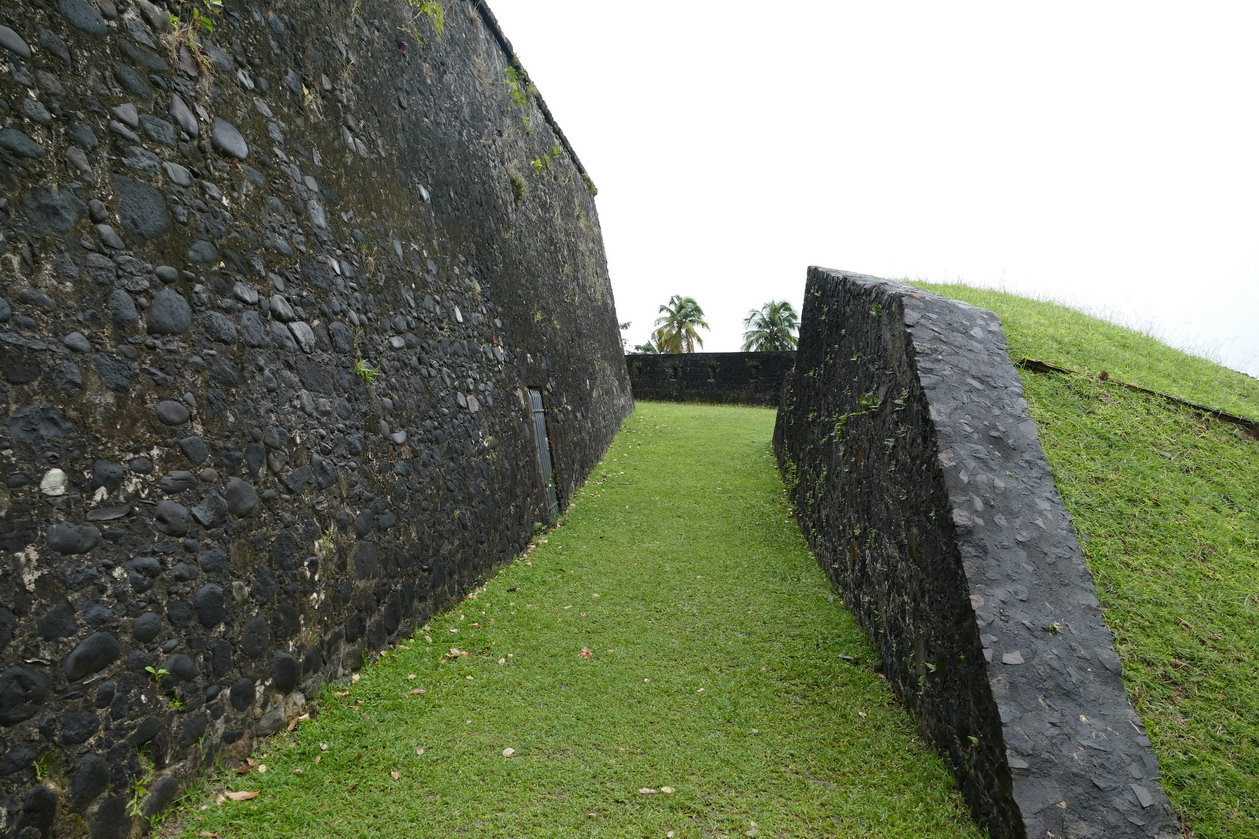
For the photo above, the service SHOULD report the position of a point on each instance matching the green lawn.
(670, 661)
(1166, 506)
(1051, 332)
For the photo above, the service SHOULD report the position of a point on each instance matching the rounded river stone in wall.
(68, 538)
(78, 726)
(95, 652)
(169, 313)
(171, 412)
(211, 605)
(285, 672)
(242, 499)
(22, 694)
(227, 139)
(141, 208)
(82, 15)
(146, 627)
(89, 781)
(242, 694)
(172, 518)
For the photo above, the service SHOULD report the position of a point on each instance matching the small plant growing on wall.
(424, 8)
(365, 371)
(520, 89)
(197, 18)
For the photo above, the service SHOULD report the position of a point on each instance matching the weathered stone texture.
(198, 475)
(920, 483)
(715, 378)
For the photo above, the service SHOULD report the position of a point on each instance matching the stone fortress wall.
(269, 315)
(715, 378)
(919, 481)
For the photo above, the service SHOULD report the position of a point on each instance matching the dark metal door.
(544, 454)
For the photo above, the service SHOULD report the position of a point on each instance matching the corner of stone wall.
(919, 480)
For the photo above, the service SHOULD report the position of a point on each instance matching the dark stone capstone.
(22, 694)
(68, 538)
(141, 208)
(169, 313)
(95, 652)
(919, 481)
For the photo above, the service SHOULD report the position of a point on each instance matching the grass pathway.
(669, 662)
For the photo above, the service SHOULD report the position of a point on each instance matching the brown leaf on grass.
(395, 774)
(455, 652)
(240, 795)
(417, 691)
(647, 791)
(586, 653)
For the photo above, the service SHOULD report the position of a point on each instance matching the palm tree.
(771, 328)
(675, 328)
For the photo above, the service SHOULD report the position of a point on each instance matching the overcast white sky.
(1105, 154)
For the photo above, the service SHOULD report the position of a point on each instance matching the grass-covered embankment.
(669, 662)
(1166, 505)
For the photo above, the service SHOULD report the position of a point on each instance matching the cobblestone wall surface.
(271, 299)
(717, 378)
(920, 483)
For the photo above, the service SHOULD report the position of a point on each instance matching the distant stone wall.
(920, 483)
(268, 318)
(743, 378)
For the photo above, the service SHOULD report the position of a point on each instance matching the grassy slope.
(714, 670)
(1166, 505)
(1054, 333)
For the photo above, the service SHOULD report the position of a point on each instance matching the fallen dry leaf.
(861, 714)
(417, 691)
(667, 790)
(647, 791)
(241, 795)
(502, 661)
(455, 652)
(318, 758)
(586, 653)
(411, 676)
(262, 768)
(323, 747)
(508, 752)
(395, 774)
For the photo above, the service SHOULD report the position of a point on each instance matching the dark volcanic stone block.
(920, 483)
(22, 694)
(95, 652)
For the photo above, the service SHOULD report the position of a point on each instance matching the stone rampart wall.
(742, 378)
(269, 310)
(920, 483)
